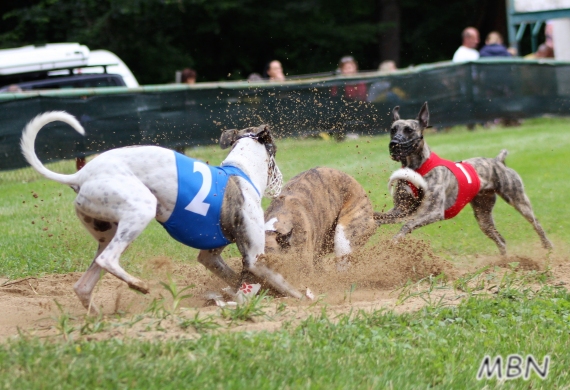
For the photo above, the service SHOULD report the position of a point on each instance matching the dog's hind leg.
(85, 285)
(342, 248)
(483, 205)
(354, 227)
(130, 226)
(523, 206)
(126, 201)
(213, 260)
(512, 191)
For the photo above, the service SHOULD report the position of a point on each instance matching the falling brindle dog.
(319, 211)
(438, 189)
(122, 190)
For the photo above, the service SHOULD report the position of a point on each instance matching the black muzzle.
(400, 148)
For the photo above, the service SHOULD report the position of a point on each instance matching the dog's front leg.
(432, 209)
(213, 260)
(251, 243)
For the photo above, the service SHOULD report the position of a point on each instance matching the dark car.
(92, 80)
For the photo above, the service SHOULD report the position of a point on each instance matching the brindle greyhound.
(426, 199)
(319, 211)
(122, 190)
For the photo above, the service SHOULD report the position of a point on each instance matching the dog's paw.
(140, 286)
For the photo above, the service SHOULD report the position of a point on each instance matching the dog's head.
(406, 135)
(282, 235)
(261, 134)
(286, 223)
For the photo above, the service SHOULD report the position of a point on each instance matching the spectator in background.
(494, 46)
(189, 76)
(383, 90)
(254, 77)
(543, 51)
(548, 35)
(387, 66)
(274, 71)
(468, 49)
(348, 65)
(352, 91)
(546, 49)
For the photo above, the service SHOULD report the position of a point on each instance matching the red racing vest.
(466, 176)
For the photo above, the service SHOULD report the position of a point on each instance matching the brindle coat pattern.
(496, 178)
(310, 208)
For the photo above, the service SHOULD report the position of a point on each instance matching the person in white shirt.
(468, 50)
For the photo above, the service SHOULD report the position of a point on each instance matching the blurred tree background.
(229, 39)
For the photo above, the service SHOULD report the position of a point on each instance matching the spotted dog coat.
(120, 191)
(319, 211)
(438, 190)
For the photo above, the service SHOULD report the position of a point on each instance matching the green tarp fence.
(176, 115)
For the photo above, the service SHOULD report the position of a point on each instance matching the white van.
(61, 65)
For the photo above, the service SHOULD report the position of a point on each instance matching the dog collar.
(235, 171)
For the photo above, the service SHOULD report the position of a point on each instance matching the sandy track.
(32, 305)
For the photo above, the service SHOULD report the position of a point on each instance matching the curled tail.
(409, 175)
(502, 156)
(29, 136)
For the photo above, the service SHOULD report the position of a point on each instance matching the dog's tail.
(407, 174)
(29, 136)
(502, 156)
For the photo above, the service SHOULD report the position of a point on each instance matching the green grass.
(538, 151)
(437, 347)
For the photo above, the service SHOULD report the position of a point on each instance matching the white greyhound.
(122, 190)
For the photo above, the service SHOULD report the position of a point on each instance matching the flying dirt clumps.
(379, 266)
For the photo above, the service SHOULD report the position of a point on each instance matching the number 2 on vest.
(197, 205)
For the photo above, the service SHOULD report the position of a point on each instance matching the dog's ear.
(264, 136)
(228, 138)
(263, 133)
(284, 240)
(396, 113)
(284, 230)
(423, 116)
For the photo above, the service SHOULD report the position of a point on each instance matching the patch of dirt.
(33, 305)
(524, 263)
(380, 267)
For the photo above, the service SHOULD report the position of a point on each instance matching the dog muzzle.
(400, 148)
(274, 180)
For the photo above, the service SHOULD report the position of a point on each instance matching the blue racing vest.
(195, 220)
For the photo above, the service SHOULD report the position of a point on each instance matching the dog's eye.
(407, 129)
(393, 130)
